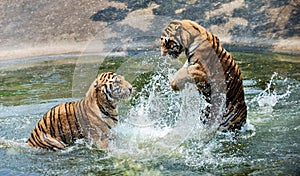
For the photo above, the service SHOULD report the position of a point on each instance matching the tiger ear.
(166, 39)
(95, 84)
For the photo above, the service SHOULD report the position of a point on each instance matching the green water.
(269, 146)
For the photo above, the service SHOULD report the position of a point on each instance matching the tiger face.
(112, 87)
(170, 40)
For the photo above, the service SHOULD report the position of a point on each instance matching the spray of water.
(161, 119)
(267, 99)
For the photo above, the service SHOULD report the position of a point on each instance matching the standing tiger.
(91, 117)
(211, 68)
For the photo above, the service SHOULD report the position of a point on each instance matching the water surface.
(159, 133)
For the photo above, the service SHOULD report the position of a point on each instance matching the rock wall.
(34, 28)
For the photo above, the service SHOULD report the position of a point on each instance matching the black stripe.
(114, 119)
(45, 119)
(76, 120)
(106, 124)
(207, 34)
(237, 94)
(228, 57)
(69, 123)
(235, 83)
(38, 141)
(60, 127)
(231, 94)
(29, 141)
(229, 68)
(217, 42)
(213, 42)
(88, 110)
(52, 119)
(79, 107)
(107, 92)
(41, 128)
(110, 87)
(83, 109)
(58, 122)
(242, 110)
(50, 145)
(237, 113)
(226, 121)
(219, 56)
(33, 138)
(102, 109)
(169, 30)
(105, 113)
(101, 77)
(228, 111)
(225, 52)
(190, 57)
(164, 34)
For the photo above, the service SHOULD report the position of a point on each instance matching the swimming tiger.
(91, 117)
(211, 68)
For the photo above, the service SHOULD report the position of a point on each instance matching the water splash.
(267, 99)
(166, 124)
(161, 119)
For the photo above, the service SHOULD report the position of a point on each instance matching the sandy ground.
(42, 51)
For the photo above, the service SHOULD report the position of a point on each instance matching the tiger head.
(110, 87)
(170, 40)
(181, 36)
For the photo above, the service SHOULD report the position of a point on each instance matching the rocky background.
(30, 28)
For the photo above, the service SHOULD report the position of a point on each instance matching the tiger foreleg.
(54, 143)
(101, 141)
(189, 74)
(180, 78)
(103, 144)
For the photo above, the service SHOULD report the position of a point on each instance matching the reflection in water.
(159, 132)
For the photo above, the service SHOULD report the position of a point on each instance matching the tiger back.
(210, 67)
(91, 117)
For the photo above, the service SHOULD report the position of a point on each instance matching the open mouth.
(174, 55)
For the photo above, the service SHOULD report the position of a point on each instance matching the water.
(159, 133)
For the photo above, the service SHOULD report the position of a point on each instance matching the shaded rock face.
(255, 25)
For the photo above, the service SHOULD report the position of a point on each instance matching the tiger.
(91, 117)
(211, 68)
